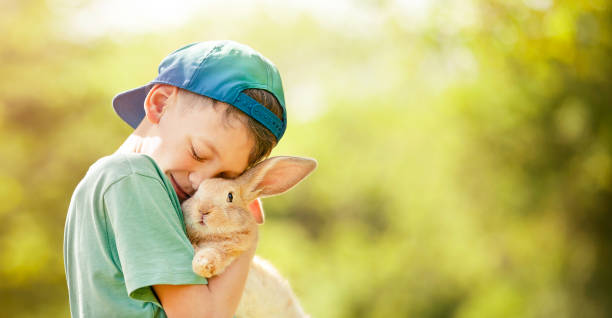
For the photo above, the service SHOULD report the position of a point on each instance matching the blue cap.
(220, 70)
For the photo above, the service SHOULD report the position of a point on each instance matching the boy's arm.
(219, 298)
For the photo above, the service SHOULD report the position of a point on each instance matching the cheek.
(177, 158)
(192, 219)
(182, 161)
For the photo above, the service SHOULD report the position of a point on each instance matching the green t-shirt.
(124, 233)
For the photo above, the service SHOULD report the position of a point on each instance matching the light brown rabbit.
(220, 227)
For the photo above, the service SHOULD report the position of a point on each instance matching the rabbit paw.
(204, 267)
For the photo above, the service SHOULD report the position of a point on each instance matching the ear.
(275, 175)
(256, 208)
(157, 100)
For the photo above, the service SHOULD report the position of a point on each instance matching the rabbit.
(220, 225)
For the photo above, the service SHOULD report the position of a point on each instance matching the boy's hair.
(263, 138)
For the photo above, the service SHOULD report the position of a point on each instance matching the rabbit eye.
(230, 197)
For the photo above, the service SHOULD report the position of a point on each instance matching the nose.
(195, 178)
(206, 172)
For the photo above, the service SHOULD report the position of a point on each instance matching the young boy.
(215, 109)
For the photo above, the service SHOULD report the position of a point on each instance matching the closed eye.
(195, 155)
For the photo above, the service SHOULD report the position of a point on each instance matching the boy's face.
(191, 143)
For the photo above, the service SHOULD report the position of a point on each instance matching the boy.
(215, 109)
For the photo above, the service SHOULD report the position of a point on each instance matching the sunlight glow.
(108, 17)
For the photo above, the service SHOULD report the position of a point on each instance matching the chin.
(195, 231)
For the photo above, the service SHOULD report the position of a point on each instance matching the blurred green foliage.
(465, 163)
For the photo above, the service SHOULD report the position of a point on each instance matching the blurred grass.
(464, 163)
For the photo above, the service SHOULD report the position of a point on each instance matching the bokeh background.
(464, 146)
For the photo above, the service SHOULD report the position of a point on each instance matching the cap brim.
(129, 105)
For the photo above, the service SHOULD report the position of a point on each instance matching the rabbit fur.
(220, 226)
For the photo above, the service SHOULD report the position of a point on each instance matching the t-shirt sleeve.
(151, 244)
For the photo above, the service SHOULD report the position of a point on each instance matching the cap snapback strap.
(260, 113)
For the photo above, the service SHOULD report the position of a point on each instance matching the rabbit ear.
(256, 208)
(275, 175)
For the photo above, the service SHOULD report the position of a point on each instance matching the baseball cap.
(217, 69)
